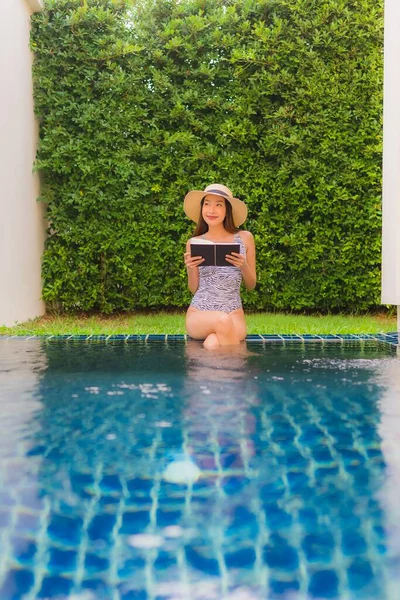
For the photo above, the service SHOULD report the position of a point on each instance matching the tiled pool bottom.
(161, 471)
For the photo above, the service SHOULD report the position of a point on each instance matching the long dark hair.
(228, 223)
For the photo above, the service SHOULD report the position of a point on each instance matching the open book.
(213, 253)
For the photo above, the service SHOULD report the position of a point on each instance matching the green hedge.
(279, 99)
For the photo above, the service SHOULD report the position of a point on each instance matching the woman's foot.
(211, 342)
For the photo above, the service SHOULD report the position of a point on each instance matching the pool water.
(166, 472)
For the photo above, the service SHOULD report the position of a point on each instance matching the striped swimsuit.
(219, 287)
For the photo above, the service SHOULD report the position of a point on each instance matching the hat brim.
(192, 204)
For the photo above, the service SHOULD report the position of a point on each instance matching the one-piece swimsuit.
(219, 287)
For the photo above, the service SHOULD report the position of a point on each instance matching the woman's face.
(214, 209)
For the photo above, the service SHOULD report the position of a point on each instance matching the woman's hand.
(236, 260)
(192, 262)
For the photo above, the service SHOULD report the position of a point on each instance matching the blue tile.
(101, 527)
(308, 517)
(26, 553)
(111, 483)
(168, 517)
(343, 438)
(135, 521)
(227, 459)
(240, 559)
(360, 574)
(129, 594)
(65, 529)
(96, 564)
(80, 481)
(324, 584)
(350, 456)
(311, 435)
(318, 547)
(61, 561)
(206, 564)
(243, 518)
(381, 549)
(322, 455)
(327, 473)
(127, 569)
(272, 491)
(107, 502)
(297, 480)
(295, 460)
(178, 337)
(362, 476)
(278, 554)
(283, 589)
(139, 485)
(234, 485)
(380, 532)
(136, 500)
(165, 560)
(53, 587)
(37, 450)
(353, 543)
(276, 517)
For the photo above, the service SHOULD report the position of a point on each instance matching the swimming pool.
(161, 471)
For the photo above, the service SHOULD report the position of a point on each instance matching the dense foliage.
(278, 99)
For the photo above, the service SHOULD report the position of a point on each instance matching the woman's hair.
(229, 225)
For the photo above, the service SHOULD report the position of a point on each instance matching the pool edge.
(390, 340)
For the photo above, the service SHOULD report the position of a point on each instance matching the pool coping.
(388, 339)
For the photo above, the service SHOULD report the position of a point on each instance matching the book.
(213, 253)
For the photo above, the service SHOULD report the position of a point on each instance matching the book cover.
(214, 254)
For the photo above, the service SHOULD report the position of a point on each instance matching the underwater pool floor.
(135, 470)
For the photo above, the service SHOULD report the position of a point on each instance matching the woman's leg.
(211, 341)
(215, 327)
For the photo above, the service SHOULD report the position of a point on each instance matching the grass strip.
(174, 323)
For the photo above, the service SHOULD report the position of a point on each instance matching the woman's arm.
(192, 267)
(249, 267)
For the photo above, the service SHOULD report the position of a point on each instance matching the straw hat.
(192, 201)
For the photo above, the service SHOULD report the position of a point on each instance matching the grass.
(170, 323)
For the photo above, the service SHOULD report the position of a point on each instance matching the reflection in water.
(228, 363)
(275, 459)
(21, 369)
(389, 430)
(220, 388)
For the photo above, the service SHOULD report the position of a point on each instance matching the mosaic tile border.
(391, 339)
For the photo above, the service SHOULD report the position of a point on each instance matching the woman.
(215, 314)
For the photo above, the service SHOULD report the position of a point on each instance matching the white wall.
(391, 157)
(22, 228)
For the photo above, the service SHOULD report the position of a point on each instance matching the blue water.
(165, 472)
